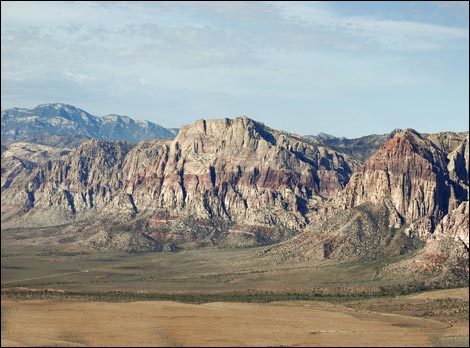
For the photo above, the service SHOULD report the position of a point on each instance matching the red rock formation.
(412, 174)
(238, 170)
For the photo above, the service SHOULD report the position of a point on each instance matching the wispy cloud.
(384, 33)
(197, 58)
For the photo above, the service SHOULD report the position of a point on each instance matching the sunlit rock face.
(414, 175)
(233, 169)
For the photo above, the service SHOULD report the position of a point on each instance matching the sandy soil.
(63, 323)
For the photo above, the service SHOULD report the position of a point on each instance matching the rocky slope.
(247, 175)
(447, 141)
(62, 119)
(364, 147)
(53, 140)
(413, 175)
(411, 195)
(20, 159)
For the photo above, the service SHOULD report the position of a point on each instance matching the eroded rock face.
(19, 159)
(458, 168)
(239, 170)
(447, 249)
(236, 170)
(409, 194)
(75, 183)
(447, 141)
(456, 225)
(414, 175)
(236, 182)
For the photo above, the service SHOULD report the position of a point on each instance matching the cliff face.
(61, 188)
(237, 170)
(456, 225)
(236, 182)
(447, 141)
(412, 174)
(19, 159)
(409, 194)
(18, 162)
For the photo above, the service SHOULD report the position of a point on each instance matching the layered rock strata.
(236, 170)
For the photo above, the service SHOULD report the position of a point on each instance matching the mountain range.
(239, 183)
(66, 122)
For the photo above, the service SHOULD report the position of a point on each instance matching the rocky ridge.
(360, 148)
(237, 182)
(411, 193)
(413, 175)
(225, 169)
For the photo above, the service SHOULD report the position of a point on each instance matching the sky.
(342, 68)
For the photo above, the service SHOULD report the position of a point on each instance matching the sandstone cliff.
(237, 182)
(18, 161)
(409, 194)
(239, 171)
(413, 175)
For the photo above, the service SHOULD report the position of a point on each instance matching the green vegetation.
(250, 296)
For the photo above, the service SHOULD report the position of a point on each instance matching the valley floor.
(53, 296)
(368, 322)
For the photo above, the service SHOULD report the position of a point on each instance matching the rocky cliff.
(413, 175)
(18, 162)
(410, 195)
(239, 171)
(237, 182)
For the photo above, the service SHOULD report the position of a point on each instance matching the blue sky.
(344, 68)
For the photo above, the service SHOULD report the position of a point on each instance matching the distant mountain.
(359, 148)
(46, 120)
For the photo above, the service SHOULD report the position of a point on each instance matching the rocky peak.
(56, 109)
(231, 168)
(236, 170)
(406, 146)
(408, 171)
(241, 128)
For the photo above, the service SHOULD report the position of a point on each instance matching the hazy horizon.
(346, 69)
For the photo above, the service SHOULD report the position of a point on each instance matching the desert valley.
(235, 173)
(232, 211)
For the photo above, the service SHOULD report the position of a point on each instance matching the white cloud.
(223, 57)
(384, 33)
